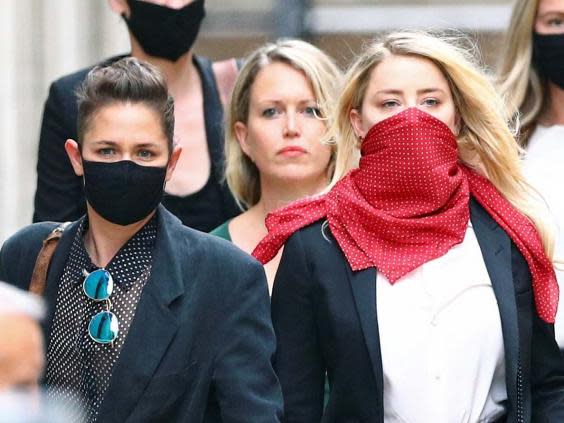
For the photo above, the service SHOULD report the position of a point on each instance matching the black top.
(78, 369)
(59, 195)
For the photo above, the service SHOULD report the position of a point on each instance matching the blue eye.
(431, 102)
(145, 154)
(388, 104)
(106, 151)
(269, 112)
(313, 111)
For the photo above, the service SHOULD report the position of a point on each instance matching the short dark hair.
(126, 80)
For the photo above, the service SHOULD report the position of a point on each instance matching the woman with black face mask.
(161, 33)
(531, 77)
(134, 332)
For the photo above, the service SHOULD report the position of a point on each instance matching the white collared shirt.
(441, 341)
(544, 170)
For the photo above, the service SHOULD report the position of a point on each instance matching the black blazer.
(200, 345)
(325, 319)
(59, 195)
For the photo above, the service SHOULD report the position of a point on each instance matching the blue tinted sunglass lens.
(98, 285)
(104, 327)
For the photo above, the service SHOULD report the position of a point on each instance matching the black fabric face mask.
(548, 56)
(123, 192)
(163, 31)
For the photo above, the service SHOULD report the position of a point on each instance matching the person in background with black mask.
(149, 320)
(531, 77)
(161, 33)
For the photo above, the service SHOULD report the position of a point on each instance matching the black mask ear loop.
(166, 171)
(82, 164)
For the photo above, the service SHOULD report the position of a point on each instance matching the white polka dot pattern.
(525, 236)
(408, 203)
(79, 369)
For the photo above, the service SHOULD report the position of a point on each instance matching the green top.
(222, 231)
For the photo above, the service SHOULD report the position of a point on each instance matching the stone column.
(41, 40)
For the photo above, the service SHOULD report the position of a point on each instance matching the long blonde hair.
(518, 80)
(325, 77)
(485, 141)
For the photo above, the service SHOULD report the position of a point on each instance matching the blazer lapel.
(152, 329)
(363, 285)
(496, 250)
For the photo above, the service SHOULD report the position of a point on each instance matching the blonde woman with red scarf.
(421, 283)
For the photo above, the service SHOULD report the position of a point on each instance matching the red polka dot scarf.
(407, 204)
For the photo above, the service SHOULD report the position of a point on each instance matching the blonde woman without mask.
(276, 122)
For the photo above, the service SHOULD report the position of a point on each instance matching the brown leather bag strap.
(39, 275)
(225, 73)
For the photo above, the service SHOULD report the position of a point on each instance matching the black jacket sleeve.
(547, 374)
(59, 196)
(298, 360)
(244, 379)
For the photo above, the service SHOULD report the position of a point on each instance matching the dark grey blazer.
(325, 320)
(201, 342)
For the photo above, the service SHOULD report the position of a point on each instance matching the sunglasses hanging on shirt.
(98, 286)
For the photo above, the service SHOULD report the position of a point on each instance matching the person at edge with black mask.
(149, 320)
(531, 77)
(161, 33)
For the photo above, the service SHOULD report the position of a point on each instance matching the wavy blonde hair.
(325, 77)
(518, 80)
(486, 141)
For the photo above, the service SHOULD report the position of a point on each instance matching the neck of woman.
(181, 76)
(247, 229)
(103, 239)
(554, 111)
(276, 194)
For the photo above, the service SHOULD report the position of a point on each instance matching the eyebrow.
(399, 92)
(278, 101)
(115, 144)
(104, 142)
(550, 13)
(148, 145)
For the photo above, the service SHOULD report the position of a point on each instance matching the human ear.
(176, 152)
(241, 133)
(356, 121)
(120, 7)
(75, 157)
